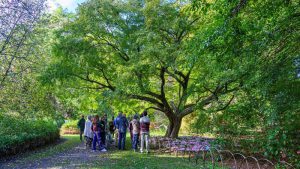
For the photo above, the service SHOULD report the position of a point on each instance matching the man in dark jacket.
(103, 130)
(116, 128)
(122, 125)
(81, 125)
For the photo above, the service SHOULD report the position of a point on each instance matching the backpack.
(111, 127)
(102, 126)
(95, 126)
(122, 124)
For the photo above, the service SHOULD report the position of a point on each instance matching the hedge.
(17, 135)
(70, 127)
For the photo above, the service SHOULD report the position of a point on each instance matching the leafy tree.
(25, 42)
(262, 37)
(142, 51)
(18, 20)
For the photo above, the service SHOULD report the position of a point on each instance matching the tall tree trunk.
(174, 127)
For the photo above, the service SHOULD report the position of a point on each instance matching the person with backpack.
(135, 132)
(88, 134)
(145, 126)
(96, 128)
(116, 128)
(81, 125)
(122, 125)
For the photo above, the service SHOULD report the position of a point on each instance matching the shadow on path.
(73, 158)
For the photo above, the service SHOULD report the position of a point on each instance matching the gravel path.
(76, 157)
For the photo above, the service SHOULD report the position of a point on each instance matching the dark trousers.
(81, 132)
(135, 141)
(103, 138)
(121, 143)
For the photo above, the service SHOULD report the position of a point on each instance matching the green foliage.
(70, 127)
(233, 63)
(72, 124)
(259, 42)
(19, 131)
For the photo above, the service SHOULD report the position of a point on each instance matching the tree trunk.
(174, 127)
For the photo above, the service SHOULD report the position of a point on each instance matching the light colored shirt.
(145, 124)
(87, 130)
(135, 126)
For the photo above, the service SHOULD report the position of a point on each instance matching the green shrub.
(19, 134)
(70, 127)
(72, 124)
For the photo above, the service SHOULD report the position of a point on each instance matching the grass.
(134, 160)
(113, 159)
(131, 160)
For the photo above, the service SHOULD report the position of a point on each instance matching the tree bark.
(173, 127)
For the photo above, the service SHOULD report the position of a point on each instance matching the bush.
(21, 134)
(70, 127)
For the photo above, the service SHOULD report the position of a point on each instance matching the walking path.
(70, 153)
(76, 157)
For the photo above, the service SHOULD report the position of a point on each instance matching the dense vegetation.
(227, 68)
(18, 134)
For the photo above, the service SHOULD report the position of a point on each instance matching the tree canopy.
(230, 67)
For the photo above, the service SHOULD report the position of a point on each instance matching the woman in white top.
(88, 134)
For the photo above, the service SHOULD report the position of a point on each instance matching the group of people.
(94, 131)
(98, 131)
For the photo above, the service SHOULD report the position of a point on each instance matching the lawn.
(128, 159)
(59, 156)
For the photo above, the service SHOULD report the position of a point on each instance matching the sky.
(66, 4)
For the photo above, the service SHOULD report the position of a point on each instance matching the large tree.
(143, 51)
(18, 20)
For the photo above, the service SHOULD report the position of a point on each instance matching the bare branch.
(227, 104)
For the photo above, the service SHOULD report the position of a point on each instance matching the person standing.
(122, 125)
(88, 134)
(145, 126)
(80, 125)
(140, 134)
(130, 130)
(135, 132)
(102, 130)
(111, 127)
(116, 128)
(96, 128)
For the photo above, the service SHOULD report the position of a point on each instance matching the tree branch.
(227, 104)
(162, 90)
(107, 80)
(88, 79)
(155, 108)
(174, 76)
(235, 11)
(122, 54)
(140, 76)
(145, 98)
